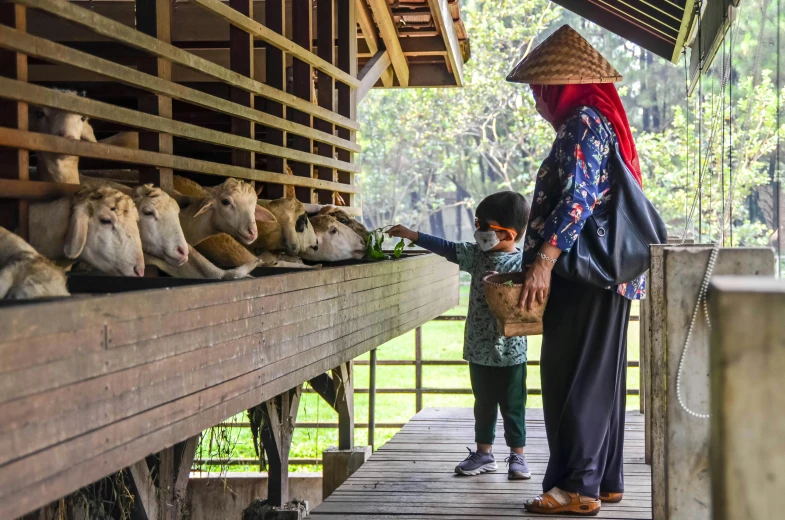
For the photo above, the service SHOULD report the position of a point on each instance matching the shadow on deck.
(412, 475)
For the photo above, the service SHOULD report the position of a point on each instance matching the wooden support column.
(166, 500)
(302, 87)
(368, 27)
(275, 77)
(325, 86)
(241, 61)
(280, 414)
(14, 163)
(154, 18)
(418, 368)
(343, 381)
(346, 56)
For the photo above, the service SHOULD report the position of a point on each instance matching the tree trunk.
(437, 224)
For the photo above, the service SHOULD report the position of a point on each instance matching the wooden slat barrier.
(107, 380)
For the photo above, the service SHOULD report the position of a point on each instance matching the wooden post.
(14, 164)
(302, 87)
(275, 66)
(343, 382)
(418, 368)
(347, 98)
(154, 18)
(280, 414)
(372, 400)
(241, 61)
(325, 47)
(680, 456)
(747, 402)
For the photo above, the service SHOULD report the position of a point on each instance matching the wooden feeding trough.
(503, 291)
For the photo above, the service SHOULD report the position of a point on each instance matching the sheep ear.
(206, 205)
(325, 210)
(259, 189)
(289, 193)
(76, 238)
(263, 214)
(87, 133)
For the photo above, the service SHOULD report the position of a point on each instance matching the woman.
(583, 365)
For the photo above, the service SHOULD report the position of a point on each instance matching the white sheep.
(337, 241)
(24, 273)
(96, 225)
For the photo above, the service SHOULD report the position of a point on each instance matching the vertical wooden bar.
(343, 380)
(347, 104)
(274, 13)
(241, 61)
(302, 87)
(166, 476)
(277, 428)
(154, 17)
(325, 42)
(372, 400)
(14, 164)
(418, 367)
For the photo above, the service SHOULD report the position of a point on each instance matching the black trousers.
(504, 389)
(584, 372)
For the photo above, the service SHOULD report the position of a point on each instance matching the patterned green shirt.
(482, 344)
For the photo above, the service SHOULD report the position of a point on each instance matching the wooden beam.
(343, 381)
(275, 63)
(302, 87)
(185, 452)
(325, 85)
(323, 385)
(346, 98)
(420, 46)
(383, 16)
(440, 11)
(280, 414)
(146, 492)
(371, 72)
(368, 27)
(241, 61)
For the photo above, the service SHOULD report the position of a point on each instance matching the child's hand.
(403, 232)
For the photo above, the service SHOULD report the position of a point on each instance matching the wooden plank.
(343, 383)
(40, 48)
(241, 61)
(232, 397)
(440, 12)
(325, 47)
(13, 89)
(138, 40)
(103, 400)
(145, 489)
(346, 98)
(381, 12)
(277, 40)
(748, 426)
(371, 73)
(50, 143)
(14, 164)
(275, 76)
(368, 27)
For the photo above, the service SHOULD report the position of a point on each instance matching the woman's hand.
(538, 279)
(403, 232)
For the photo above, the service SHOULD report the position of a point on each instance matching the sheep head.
(234, 209)
(336, 241)
(159, 225)
(344, 218)
(104, 232)
(296, 232)
(24, 273)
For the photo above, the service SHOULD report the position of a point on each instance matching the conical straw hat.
(565, 57)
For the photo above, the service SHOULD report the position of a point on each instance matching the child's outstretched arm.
(433, 244)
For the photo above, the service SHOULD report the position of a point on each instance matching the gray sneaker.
(476, 463)
(517, 469)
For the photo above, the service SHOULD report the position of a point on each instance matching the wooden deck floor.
(412, 475)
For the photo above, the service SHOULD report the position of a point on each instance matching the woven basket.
(564, 58)
(503, 298)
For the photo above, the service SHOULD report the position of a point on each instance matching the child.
(497, 365)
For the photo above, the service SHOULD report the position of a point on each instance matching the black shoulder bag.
(613, 246)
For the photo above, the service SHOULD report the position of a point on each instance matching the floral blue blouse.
(573, 180)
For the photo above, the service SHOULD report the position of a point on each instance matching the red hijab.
(563, 100)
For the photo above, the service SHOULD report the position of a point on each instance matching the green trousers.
(501, 388)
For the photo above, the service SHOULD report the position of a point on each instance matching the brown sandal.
(610, 498)
(579, 505)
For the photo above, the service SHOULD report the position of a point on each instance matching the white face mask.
(487, 240)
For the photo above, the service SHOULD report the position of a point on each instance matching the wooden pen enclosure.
(263, 91)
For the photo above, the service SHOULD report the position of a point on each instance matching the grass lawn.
(442, 340)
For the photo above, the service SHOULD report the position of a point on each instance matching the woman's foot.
(560, 502)
(517, 468)
(477, 462)
(611, 498)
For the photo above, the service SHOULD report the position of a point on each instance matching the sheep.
(97, 225)
(336, 241)
(24, 273)
(159, 225)
(344, 218)
(57, 167)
